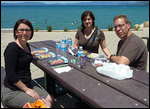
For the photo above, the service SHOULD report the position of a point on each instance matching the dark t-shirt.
(82, 40)
(135, 50)
(17, 65)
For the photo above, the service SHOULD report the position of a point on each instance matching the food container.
(93, 55)
(57, 61)
(45, 55)
(99, 62)
(41, 49)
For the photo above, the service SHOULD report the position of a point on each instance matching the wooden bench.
(3, 74)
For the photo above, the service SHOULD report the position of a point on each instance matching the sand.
(111, 41)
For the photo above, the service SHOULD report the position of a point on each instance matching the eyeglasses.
(22, 30)
(120, 26)
(87, 19)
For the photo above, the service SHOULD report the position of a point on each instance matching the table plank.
(91, 90)
(139, 75)
(145, 37)
(127, 87)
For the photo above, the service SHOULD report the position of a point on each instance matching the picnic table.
(95, 89)
(147, 38)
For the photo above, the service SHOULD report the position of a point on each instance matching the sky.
(47, 2)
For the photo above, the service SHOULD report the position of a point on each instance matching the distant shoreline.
(91, 3)
(10, 30)
(68, 5)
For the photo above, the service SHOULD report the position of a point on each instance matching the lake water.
(60, 17)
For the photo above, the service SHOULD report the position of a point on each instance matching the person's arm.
(105, 49)
(128, 55)
(27, 90)
(76, 41)
(120, 60)
(75, 45)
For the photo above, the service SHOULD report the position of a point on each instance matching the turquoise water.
(60, 17)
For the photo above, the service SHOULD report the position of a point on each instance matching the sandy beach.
(111, 41)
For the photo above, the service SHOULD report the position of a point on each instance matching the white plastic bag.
(116, 71)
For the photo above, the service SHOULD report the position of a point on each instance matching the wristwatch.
(111, 56)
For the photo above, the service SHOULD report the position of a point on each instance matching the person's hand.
(32, 93)
(108, 57)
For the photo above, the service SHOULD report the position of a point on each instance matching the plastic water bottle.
(80, 52)
(58, 48)
(63, 49)
(64, 39)
(69, 43)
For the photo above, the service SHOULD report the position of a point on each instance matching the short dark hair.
(24, 21)
(122, 16)
(86, 13)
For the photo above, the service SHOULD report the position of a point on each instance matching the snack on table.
(45, 56)
(98, 65)
(56, 61)
(99, 62)
(93, 55)
(42, 50)
(85, 52)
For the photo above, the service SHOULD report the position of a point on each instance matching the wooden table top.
(96, 89)
(145, 37)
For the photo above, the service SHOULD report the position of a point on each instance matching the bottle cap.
(80, 46)
(73, 61)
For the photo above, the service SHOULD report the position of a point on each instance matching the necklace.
(87, 37)
(87, 34)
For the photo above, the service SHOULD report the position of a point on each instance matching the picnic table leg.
(49, 84)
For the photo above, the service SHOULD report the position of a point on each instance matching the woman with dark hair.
(89, 36)
(18, 88)
(23, 21)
